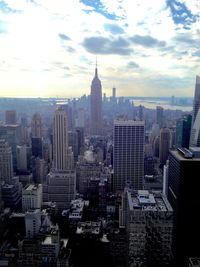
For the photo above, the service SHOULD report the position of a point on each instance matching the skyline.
(144, 48)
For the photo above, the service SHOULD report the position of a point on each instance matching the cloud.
(181, 14)
(105, 46)
(147, 41)
(64, 37)
(113, 28)
(3, 27)
(99, 7)
(132, 65)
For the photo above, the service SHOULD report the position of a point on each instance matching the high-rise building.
(183, 128)
(183, 195)
(33, 222)
(149, 225)
(113, 93)
(36, 126)
(128, 161)
(164, 146)
(60, 140)
(22, 159)
(6, 163)
(159, 116)
(60, 188)
(96, 105)
(195, 131)
(10, 117)
(11, 133)
(32, 197)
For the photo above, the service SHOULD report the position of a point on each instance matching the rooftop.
(146, 201)
(88, 228)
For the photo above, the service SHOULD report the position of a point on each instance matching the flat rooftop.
(147, 201)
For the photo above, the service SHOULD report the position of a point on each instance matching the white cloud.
(32, 43)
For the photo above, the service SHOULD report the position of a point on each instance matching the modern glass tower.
(128, 158)
(195, 131)
(96, 105)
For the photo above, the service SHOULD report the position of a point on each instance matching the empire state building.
(96, 105)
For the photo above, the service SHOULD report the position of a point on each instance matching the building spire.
(96, 71)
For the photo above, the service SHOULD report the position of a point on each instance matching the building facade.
(128, 160)
(96, 105)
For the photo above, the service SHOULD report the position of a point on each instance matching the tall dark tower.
(96, 105)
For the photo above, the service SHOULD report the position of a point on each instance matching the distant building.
(36, 126)
(128, 160)
(164, 146)
(183, 195)
(159, 116)
(60, 188)
(183, 128)
(32, 197)
(11, 134)
(96, 105)
(60, 140)
(32, 222)
(22, 159)
(10, 117)
(149, 224)
(6, 162)
(12, 194)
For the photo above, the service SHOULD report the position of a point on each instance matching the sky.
(48, 48)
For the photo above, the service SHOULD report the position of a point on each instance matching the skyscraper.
(60, 140)
(159, 116)
(96, 105)
(10, 117)
(183, 195)
(36, 126)
(195, 130)
(128, 158)
(164, 146)
(183, 127)
(6, 164)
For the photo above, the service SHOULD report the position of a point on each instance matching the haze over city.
(143, 48)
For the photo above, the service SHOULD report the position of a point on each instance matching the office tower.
(11, 133)
(159, 116)
(96, 105)
(12, 194)
(80, 118)
(164, 146)
(183, 128)
(80, 137)
(31, 197)
(195, 130)
(32, 222)
(70, 115)
(22, 160)
(60, 140)
(39, 170)
(36, 135)
(183, 195)
(141, 113)
(113, 93)
(61, 188)
(128, 161)
(6, 163)
(36, 126)
(10, 117)
(149, 225)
